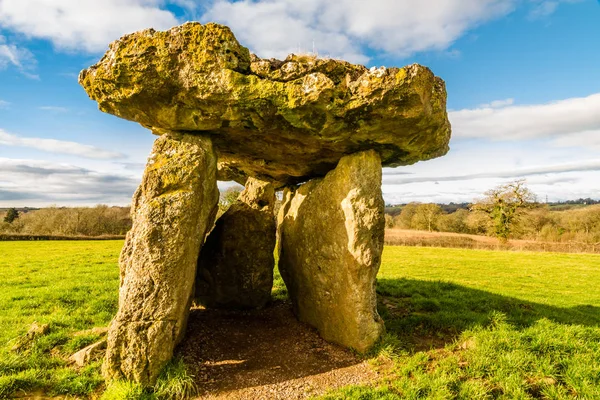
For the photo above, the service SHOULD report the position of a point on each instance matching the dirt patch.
(265, 354)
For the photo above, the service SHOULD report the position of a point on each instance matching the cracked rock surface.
(280, 121)
(172, 211)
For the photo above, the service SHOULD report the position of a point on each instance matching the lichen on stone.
(282, 121)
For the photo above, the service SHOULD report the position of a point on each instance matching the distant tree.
(227, 198)
(477, 222)
(404, 219)
(504, 205)
(535, 220)
(454, 222)
(11, 215)
(389, 221)
(426, 216)
(393, 211)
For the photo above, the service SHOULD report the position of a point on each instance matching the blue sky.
(523, 81)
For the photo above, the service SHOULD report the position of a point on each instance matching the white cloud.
(4, 104)
(87, 25)
(58, 146)
(567, 186)
(39, 183)
(474, 166)
(565, 119)
(543, 8)
(589, 165)
(340, 28)
(587, 139)
(11, 55)
(271, 28)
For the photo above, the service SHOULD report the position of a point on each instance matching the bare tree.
(504, 205)
(426, 216)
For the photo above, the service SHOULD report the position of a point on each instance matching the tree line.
(66, 221)
(506, 212)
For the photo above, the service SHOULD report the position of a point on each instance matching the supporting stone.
(172, 211)
(331, 234)
(235, 269)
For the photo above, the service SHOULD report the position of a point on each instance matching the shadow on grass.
(234, 350)
(431, 314)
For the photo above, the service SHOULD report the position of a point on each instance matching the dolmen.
(317, 131)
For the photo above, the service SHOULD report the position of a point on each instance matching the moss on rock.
(282, 121)
(172, 210)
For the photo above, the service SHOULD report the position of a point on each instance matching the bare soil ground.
(265, 354)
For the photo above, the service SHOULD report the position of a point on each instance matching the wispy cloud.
(133, 166)
(544, 8)
(587, 139)
(562, 118)
(4, 104)
(54, 109)
(353, 29)
(16, 195)
(590, 165)
(59, 146)
(498, 103)
(22, 59)
(71, 75)
(348, 29)
(42, 182)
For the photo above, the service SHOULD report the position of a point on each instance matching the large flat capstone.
(280, 121)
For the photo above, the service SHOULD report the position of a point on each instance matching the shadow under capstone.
(230, 350)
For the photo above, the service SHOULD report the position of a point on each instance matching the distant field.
(461, 323)
(410, 237)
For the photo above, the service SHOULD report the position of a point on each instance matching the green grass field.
(474, 324)
(461, 323)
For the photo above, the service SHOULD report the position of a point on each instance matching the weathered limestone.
(224, 113)
(330, 242)
(235, 268)
(281, 121)
(172, 211)
(35, 331)
(92, 352)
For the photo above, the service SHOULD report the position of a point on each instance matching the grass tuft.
(175, 382)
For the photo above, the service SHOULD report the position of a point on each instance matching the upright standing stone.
(235, 269)
(172, 211)
(330, 242)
